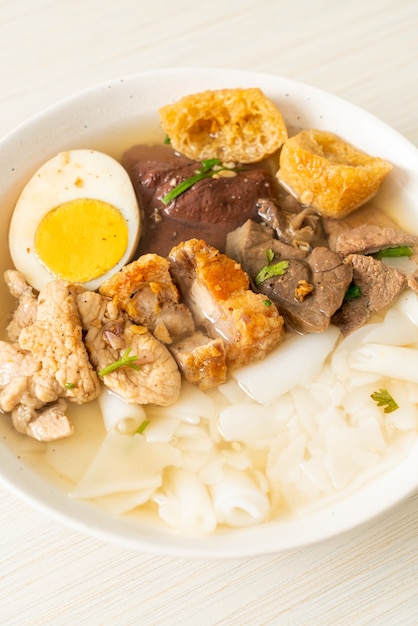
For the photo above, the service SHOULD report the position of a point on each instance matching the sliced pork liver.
(369, 238)
(379, 285)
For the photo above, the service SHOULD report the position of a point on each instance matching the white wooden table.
(366, 52)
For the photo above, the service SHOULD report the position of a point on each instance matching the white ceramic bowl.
(113, 116)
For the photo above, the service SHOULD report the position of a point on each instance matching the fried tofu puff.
(233, 125)
(325, 172)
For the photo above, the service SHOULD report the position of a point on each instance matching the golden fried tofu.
(325, 172)
(233, 125)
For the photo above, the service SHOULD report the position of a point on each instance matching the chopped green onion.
(352, 292)
(383, 398)
(394, 252)
(167, 140)
(124, 361)
(142, 427)
(69, 385)
(204, 171)
(267, 303)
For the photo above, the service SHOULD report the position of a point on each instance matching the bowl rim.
(51, 500)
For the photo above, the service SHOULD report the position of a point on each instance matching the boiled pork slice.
(25, 313)
(109, 334)
(47, 424)
(55, 339)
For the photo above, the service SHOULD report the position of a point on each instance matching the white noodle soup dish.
(203, 384)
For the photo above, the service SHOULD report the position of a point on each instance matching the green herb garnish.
(352, 292)
(206, 170)
(267, 302)
(124, 361)
(271, 269)
(393, 252)
(167, 140)
(69, 385)
(141, 427)
(383, 398)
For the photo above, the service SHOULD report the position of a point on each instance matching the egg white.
(70, 175)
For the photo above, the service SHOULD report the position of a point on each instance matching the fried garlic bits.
(325, 172)
(233, 125)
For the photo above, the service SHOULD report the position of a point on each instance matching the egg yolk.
(82, 239)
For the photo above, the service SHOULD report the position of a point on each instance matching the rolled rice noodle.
(184, 503)
(118, 414)
(238, 501)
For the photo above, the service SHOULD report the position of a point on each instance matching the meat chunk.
(369, 238)
(47, 424)
(55, 340)
(216, 289)
(22, 379)
(248, 243)
(301, 228)
(201, 360)
(379, 286)
(212, 206)
(25, 313)
(157, 379)
(145, 290)
(312, 286)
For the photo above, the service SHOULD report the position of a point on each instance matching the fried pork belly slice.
(25, 313)
(216, 289)
(201, 360)
(47, 424)
(145, 290)
(109, 334)
(55, 340)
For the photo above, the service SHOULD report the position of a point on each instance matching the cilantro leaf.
(383, 398)
(271, 269)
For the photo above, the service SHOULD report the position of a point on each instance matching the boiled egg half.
(77, 218)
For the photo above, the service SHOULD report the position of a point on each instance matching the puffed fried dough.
(323, 171)
(238, 125)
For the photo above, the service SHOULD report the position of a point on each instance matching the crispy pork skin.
(201, 360)
(216, 290)
(145, 290)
